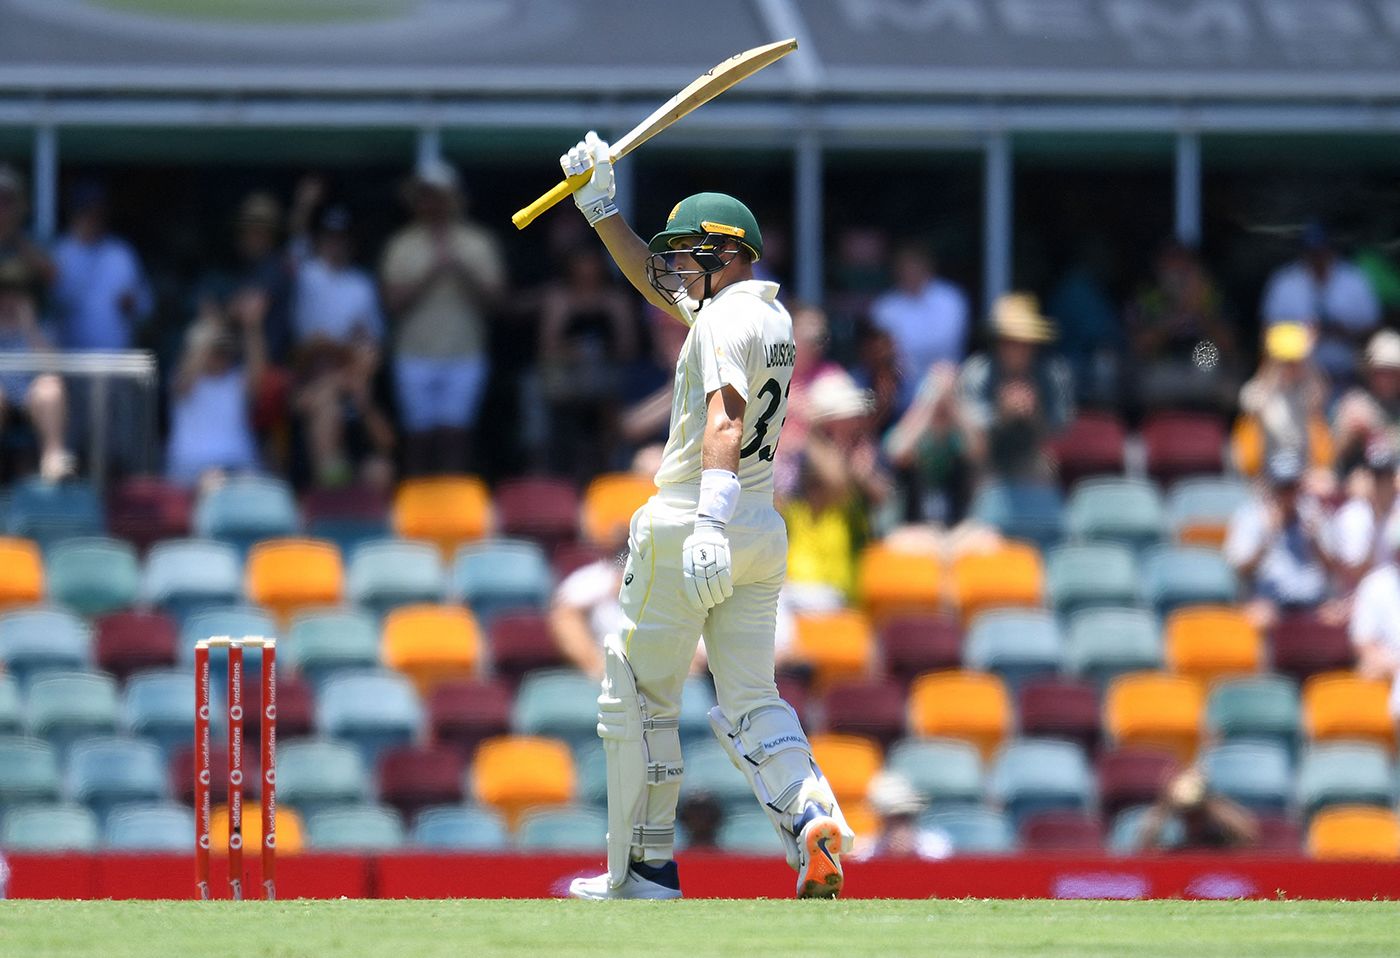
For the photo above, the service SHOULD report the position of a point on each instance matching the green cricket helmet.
(701, 227)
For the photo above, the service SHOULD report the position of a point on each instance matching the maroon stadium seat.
(1062, 831)
(572, 556)
(130, 641)
(793, 691)
(296, 705)
(145, 509)
(345, 502)
(870, 707)
(180, 770)
(1060, 708)
(1133, 776)
(464, 712)
(412, 777)
(1303, 646)
(545, 510)
(912, 644)
(521, 641)
(1092, 445)
(1183, 444)
(1279, 835)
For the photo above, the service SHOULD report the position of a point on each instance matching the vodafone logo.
(235, 777)
(270, 712)
(270, 841)
(204, 842)
(235, 841)
(236, 713)
(270, 776)
(204, 776)
(204, 713)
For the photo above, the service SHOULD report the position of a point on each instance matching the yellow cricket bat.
(703, 89)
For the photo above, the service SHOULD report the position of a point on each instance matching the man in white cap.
(1371, 410)
(894, 800)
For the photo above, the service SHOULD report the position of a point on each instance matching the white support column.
(429, 147)
(1188, 187)
(44, 189)
(997, 200)
(807, 217)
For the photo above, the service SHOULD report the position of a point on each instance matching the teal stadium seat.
(231, 620)
(39, 640)
(1101, 644)
(59, 827)
(355, 827)
(591, 772)
(66, 706)
(1031, 512)
(388, 573)
(708, 771)
(460, 828)
(1125, 835)
(246, 509)
(1041, 775)
(1256, 773)
(1206, 500)
(1090, 575)
(28, 772)
(50, 512)
(500, 574)
(1016, 644)
(93, 576)
(149, 827)
(315, 774)
(374, 710)
(105, 772)
(1261, 706)
(972, 830)
(324, 643)
(566, 829)
(11, 705)
(185, 575)
(1128, 511)
(557, 703)
(1176, 576)
(946, 772)
(749, 833)
(156, 705)
(1345, 773)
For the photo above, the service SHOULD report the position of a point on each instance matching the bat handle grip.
(563, 188)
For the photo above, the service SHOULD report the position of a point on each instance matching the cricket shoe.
(648, 882)
(819, 848)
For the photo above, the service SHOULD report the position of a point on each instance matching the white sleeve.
(724, 341)
(1350, 534)
(1243, 535)
(1367, 608)
(587, 586)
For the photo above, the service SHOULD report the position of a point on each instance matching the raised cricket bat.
(703, 89)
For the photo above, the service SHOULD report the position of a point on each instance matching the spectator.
(648, 384)
(210, 426)
(41, 396)
(701, 815)
(1281, 407)
(442, 275)
(1329, 295)
(1355, 539)
(264, 266)
(338, 330)
(926, 315)
(1375, 620)
(1370, 411)
(926, 447)
(877, 370)
(1276, 544)
(809, 332)
(899, 835)
(1015, 397)
(1090, 328)
(100, 295)
(1208, 821)
(15, 244)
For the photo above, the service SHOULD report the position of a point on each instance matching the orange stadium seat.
(974, 706)
(1355, 832)
(290, 574)
(1009, 576)
(432, 644)
(515, 772)
(444, 510)
(891, 582)
(862, 818)
(837, 645)
(1208, 641)
(21, 572)
(608, 505)
(1155, 709)
(1343, 705)
(849, 762)
(291, 836)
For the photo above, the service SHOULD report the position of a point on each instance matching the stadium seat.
(1134, 776)
(849, 763)
(1155, 709)
(388, 573)
(105, 772)
(291, 833)
(515, 773)
(608, 505)
(1126, 833)
(835, 645)
(157, 705)
(1041, 775)
(374, 710)
(1183, 444)
(967, 705)
(911, 644)
(1355, 832)
(571, 556)
(232, 620)
(892, 582)
(1278, 835)
(432, 644)
(1031, 512)
(749, 833)
(1211, 642)
(544, 510)
(285, 575)
(697, 698)
(709, 771)
(1101, 644)
(566, 829)
(246, 509)
(1008, 576)
(1199, 509)
(444, 510)
(144, 510)
(1062, 831)
(1257, 774)
(1303, 647)
(50, 828)
(1127, 511)
(465, 713)
(558, 703)
(871, 707)
(313, 774)
(149, 827)
(1345, 773)
(416, 776)
(521, 642)
(11, 705)
(973, 831)
(1258, 707)
(945, 771)
(501, 574)
(1176, 576)
(186, 575)
(325, 642)
(1092, 445)
(296, 706)
(29, 772)
(591, 774)
(1016, 644)
(1342, 705)
(1060, 708)
(1090, 575)
(348, 516)
(50, 512)
(66, 706)
(93, 576)
(355, 828)
(21, 573)
(40, 640)
(459, 828)
(128, 642)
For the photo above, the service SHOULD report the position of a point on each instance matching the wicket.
(203, 773)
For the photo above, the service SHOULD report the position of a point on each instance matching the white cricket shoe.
(642, 882)
(819, 848)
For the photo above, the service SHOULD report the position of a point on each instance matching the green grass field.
(697, 929)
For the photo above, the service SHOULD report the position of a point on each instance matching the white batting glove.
(594, 198)
(706, 565)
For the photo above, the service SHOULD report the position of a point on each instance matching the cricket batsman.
(707, 554)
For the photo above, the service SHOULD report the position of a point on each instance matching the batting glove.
(706, 565)
(595, 197)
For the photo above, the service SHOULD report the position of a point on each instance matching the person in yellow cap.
(1281, 407)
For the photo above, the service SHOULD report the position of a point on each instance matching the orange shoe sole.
(822, 878)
